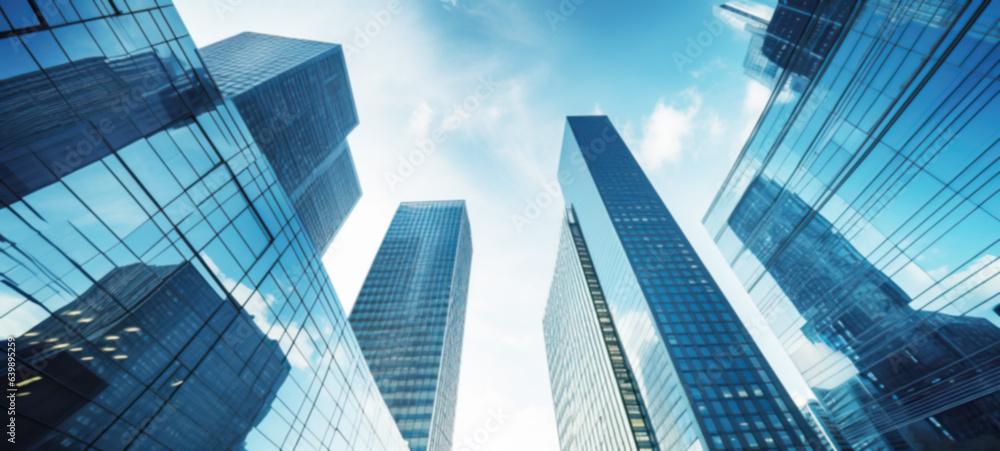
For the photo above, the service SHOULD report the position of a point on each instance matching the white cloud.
(497, 158)
(523, 430)
(420, 120)
(964, 292)
(302, 354)
(716, 126)
(597, 110)
(836, 367)
(756, 98)
(712, 65)
(501, 19)
(663, 132)
(754, 101)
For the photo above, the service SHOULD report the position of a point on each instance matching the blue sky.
(499, 151)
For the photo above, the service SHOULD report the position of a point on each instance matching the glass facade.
(753, 18)
(755, 64)
(594, 392)
(158, 284)
(824, 426)
(704, 382)
(792, 19)
(296, 100)
(410, 316)
(863, 216)
(164, 303)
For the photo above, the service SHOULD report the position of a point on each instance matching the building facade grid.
(862, 216)
(153, 272)
(704, 381)
(594, 392)
(295, 98)
(410, 315)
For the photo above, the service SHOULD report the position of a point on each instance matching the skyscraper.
(824, 426)
(795, 19)
(890, 349)
(753, 18)
(168, 306)
(799, 34)
(745, 13)
(296, 99)
(153, 273)
(777, 44)
(410, 315)
(702, 378)
(71, 114)
(594, 391)
(862, 216)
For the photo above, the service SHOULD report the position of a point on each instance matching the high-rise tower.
(702, 378)
(596, 400)
(296, 99)
(163, 310)
(154, 275)
(754, 19)
(410, 316)
(863, 216)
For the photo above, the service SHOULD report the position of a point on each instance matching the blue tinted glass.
(20, 14)
(310, 155)
(666, 298)
(45, 49)
(872, 253)
(410, 316)
(77, 42)
(150, 307)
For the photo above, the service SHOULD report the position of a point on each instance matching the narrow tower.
(296, 99)
(593, 389)
(410, 315)
(702, 378)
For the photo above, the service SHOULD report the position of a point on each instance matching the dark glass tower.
(863, 216)
(702, 378)
(778, 43)
(410, 315)
(594, 391)
(753, 18)
(296, 99)
(793, 20)
(168, 306)
(154, 275)
(895, 352)
(824, 426)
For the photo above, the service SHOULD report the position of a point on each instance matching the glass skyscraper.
(295, 98)
(159, 286)
(774, 38)
(410, 316)
(753, 18)
(863, 216)
(594, 392)
(704, 382)
(791, 19)
(167, 309)
(826, 429)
